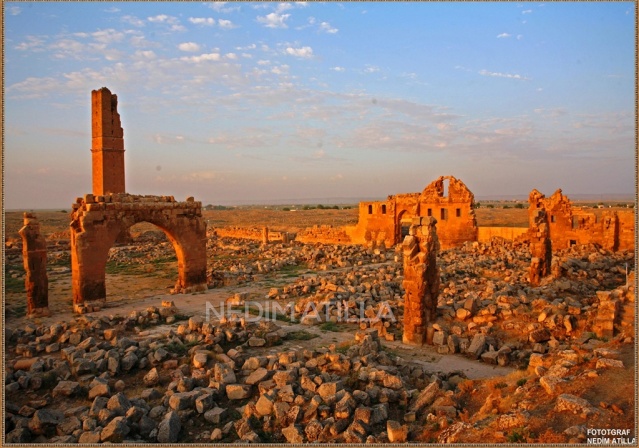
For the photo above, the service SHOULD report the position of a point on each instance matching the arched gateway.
(98, 219)
(97, 222)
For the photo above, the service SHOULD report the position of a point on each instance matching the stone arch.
(402, 228)
(96, 224)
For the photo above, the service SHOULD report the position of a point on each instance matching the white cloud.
(159, 18)
(527, 11)
(226, 24)
(304, 52)
(281, 70)
(371, 69)
(503, 75)
(274, 20)
(173, 22)
(14, 10)
(112, 10)
(206, 21)
(520, 36)
(327, 28)
(148, 54)
(223, 7)
(189, 46)
(231, 56)
(202, 58)
(108, 36)
(132, 20)
(338, 69)
(503, 35)
(32, 43)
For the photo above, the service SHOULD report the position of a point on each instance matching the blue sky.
(234, 102)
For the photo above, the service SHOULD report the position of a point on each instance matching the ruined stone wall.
(421, 279)
(454, 212)
(107, 148)
(96, 222)
(626, 230)
(325, 234)
(485, 234)
(254, 233)
(570, 225)
(389, 220)
(34, 256)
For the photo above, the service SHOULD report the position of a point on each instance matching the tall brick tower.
(107, 147)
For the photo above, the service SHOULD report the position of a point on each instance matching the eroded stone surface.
(421, 279)
(34, 255)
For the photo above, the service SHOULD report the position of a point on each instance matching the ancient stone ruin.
(98, 219)
(387, 222)
(107, 148)
(568, 225)
(540, 248)
(421, 279)
(34, 255)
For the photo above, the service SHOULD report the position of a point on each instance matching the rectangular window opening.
(444, 214)
(458, 212)
(370, 209)
(430, 212)
(383, 209)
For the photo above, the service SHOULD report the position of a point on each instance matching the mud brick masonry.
(98, 219)
(421, 279)
(34, 255)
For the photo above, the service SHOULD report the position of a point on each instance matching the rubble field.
(508, 362)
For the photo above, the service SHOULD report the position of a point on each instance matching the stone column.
(421, 279)
(540, 248)
(265, 235)
(34, 255)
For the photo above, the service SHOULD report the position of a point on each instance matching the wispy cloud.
(371, 69)
(303, 52)
(503, 75)
(274, 20)
(32, 43)
(172, 22)
(503, 35)
(527, 11)
(224, 7)
(14, 10)
(327, 28)
(338, 69)
(132, 20)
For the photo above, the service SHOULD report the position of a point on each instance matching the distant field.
(275, 218)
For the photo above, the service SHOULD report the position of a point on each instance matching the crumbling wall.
(389, 220)
(568, 225)
(96, 222)
(485, 234)
(421, 279)
(540, 248)
(34, 256)
(253, 233)
(325, 234)
(107, 148)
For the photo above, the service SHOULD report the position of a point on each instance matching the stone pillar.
(107, 147)
(34, 255)
(610, 230)
(421, 279)
(540, 248)
(265, 235)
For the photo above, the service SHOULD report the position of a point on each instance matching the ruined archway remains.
(98, 219)
(97, 222)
